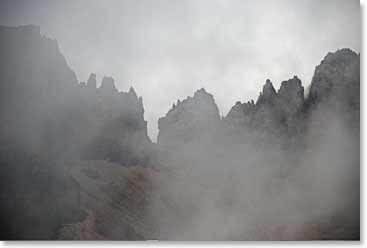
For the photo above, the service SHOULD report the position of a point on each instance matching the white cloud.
(167, 49)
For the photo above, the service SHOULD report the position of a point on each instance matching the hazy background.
(167, 49)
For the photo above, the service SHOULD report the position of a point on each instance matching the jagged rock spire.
(293, 85)
(190, 120)
(92, 81)
(291, 97)
(108, 84)
(133, 93)
(268, 93)
(292, 90)
(337, 74)
(201, 91)
(268, 89)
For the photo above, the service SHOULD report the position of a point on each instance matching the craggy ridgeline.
(77, 163)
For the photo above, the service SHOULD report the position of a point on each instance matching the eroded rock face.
(115, 128)
(275, 113)
(47, 118)
(92, 81)
(108, 85)
(290, 105)
(338, 75)
(191, 120)
(53, 119)
(336, 85)
(280, 114)
(45, 110)
(268, 94)
(241, 114)
(291, 96)
(30, 66)
(267, 116)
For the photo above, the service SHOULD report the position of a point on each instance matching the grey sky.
(167, 49)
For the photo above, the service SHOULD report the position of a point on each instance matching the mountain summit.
(192, 119)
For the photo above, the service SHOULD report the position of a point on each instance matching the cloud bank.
(168, 49)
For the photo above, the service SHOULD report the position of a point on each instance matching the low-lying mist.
(77, 162)
(217, 191)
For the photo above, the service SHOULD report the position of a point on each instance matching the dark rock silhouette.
(291, 96)
(336, 86)
(279, 114)
(92, 81)
(63, 118)
(50, 123)
(268, 95)
(337, 76)
(47, 119)
(191, 120)
(108, 85)
(311, 142)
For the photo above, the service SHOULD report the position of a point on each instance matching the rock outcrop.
(280, 115)
(108, 85)
(47, 118)
(35, 81)
(275, 113)
(92, 81)
(191, 120)
(117, 129)
(268, 94)
(291, 96)
(336, 86)
(59, 139)
(45, 109)
(337, 76)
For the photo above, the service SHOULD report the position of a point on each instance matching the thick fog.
(168, 49)
(229, 191)
(77, 157)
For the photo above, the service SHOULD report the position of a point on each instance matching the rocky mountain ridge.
(67, 147)
(48, 118)
(282, 113)
(194, 118)
(63, 117)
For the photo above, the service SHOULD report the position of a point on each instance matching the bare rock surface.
(191, 120)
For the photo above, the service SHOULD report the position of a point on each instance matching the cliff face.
(32, 72)
(274, 112)
(45, 109)
(195, 119)
(47, 118)
(337, 77)
(336, 86)
(114, 125)
(29, 59)
(282, 115)
(296, 156)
